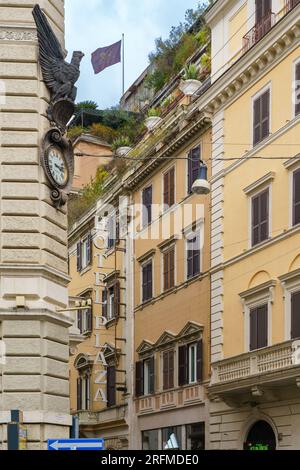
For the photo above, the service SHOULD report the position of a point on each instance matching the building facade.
(254, 387)
(33, 237)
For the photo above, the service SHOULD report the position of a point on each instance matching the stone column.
(33, 239)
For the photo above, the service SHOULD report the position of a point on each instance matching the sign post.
(76, 444)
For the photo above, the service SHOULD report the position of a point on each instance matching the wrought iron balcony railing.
(258, 31)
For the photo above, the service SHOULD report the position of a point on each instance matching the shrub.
(122, 141)
(191, 72)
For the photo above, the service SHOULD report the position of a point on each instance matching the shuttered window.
(169, 269)
(295, 315)
(79, 393)
(261, 117)
(83, 393)
(147, 206)
(194, 158)
(84, 253)
(297, 90)
(139, 378)
(147, 286)
(149, 376)
(111, 386)
(168, 370)
(111, 301)
(259, 327)
(85, 320)
(111, 232)
(193, 256)
(190, 372)
(260, 217)
(169, 188)
(296, 197)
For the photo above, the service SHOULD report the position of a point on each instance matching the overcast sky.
(96, 23)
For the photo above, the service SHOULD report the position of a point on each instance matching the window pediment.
(166, 338)
(145, 346)
(83, 361)
(190, 329)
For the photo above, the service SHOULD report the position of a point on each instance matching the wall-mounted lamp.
(201, 185)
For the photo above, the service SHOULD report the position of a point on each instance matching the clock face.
(57, 166)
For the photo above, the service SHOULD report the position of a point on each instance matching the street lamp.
(201, 185)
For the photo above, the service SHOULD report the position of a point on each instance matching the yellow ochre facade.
(200, 294)
(254, 387)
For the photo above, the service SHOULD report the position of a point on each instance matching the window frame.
(259, 94)
(145, 188)
(142, 266)
(255, 297)
(252, 196)
(188, 236)
(295, 64)
(164, 252)
(192, 346)
(168, 352)
(164, 173)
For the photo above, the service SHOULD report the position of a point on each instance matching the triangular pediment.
(166, 338)
(190, 328)
(144, 347)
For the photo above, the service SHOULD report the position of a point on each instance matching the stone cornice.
(203, 122)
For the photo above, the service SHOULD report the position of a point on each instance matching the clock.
(57, 159)
(57, 166)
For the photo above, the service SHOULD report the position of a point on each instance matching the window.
(194, 159)
(296, 197)
(261, 117)
(147, 284)
(145, 377)
(195, 436)
(111, 302)
(190, 363)
(147, 206)
(83, 392)
(169, 269)
(169, 188)
(297, 89)
(193, 256)
(171, 438)
(85, 320)
(168, 370)
(260, 217)
(111, 386)
(84, 253)
(112, 231)
(259, 327)
(150, 440)
(263, 9)
(295, 315)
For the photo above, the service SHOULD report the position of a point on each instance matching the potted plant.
(153, 118)
(121, 146)
(190, 81)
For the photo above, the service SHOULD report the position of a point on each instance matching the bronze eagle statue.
(59, 76)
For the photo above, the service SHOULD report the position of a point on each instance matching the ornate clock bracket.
(54, 137)
(60, 77)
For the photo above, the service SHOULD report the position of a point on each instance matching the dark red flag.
(106, 56)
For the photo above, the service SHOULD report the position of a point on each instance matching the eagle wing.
(52, 57)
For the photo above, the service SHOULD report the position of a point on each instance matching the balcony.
(112, 415)
(261, 28)
(257, 371)
(170, 399)
(258, 31)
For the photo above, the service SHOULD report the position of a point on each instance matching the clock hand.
(61, 168)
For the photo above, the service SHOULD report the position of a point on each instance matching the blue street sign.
(76, 444)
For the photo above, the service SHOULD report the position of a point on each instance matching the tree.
(88, 104)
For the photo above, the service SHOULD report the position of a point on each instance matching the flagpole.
(123, 64)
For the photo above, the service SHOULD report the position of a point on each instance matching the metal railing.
(259, 30)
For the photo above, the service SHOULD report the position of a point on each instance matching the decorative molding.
(260, 182)
(17, 34)
(292, 162)
(266, 286)
(146, 256)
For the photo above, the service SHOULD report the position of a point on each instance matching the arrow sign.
(76, 444)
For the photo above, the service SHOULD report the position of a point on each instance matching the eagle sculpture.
(59, 76)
